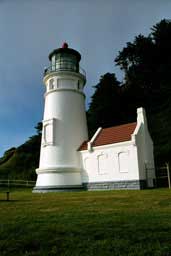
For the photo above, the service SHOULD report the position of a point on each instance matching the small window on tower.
(51, 84)
(48, 132)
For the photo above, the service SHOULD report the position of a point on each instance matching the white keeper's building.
(119, 157)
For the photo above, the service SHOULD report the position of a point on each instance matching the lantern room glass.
(64, 61)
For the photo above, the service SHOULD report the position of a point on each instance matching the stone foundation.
(126, 184)
(113, 185)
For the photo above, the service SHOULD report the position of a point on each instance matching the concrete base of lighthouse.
(58, 179)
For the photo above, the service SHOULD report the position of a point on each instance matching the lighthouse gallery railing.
(64, 66)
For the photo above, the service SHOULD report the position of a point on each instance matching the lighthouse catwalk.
(119, 157)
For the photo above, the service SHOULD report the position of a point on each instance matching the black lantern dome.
(64, 59)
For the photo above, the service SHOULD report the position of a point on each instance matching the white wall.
(67, 107)
(64, 104)
(116, 162)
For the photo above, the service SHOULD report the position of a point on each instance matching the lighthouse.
(64, 122)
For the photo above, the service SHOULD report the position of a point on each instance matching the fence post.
(168, 175)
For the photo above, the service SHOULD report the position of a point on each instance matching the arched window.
(102, 158)
(123, 158)
(88, 164)
(48, 132)
(51, 84)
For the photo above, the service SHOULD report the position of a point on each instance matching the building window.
(88, 164)
(51, 84)
(123, 158)
(102, 164)
(48, 132)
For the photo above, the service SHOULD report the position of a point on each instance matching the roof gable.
(112, 135)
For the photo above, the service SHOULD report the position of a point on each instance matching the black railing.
(65, 66)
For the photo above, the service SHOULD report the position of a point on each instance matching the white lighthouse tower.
(64, 123)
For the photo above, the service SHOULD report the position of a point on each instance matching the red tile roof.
(112, 135)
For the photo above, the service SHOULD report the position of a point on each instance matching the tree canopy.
(102, 110)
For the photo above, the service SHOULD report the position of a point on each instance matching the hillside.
(20, 163)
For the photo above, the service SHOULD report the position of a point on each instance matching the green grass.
(86, 223)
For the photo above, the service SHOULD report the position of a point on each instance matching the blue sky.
(30, 29)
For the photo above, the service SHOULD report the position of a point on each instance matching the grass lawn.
(86, 223)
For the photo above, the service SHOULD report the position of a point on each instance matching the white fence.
(16, 183)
